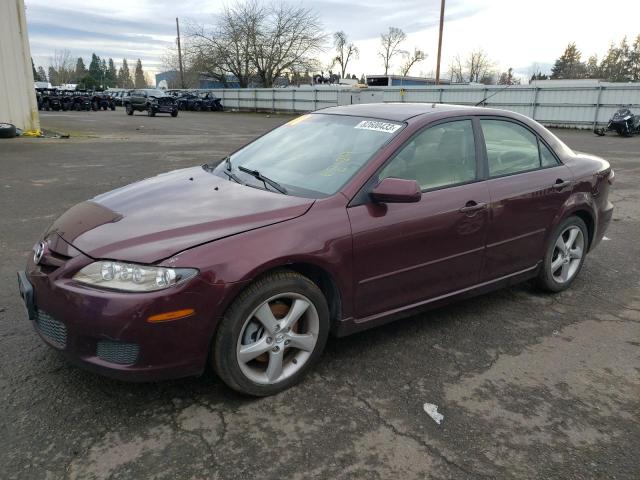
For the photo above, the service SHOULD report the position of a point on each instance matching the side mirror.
(396, 190)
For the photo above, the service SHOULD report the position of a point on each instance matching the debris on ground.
(432, 411)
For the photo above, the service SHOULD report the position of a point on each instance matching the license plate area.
(27, 294)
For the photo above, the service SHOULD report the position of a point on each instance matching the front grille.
(118, 352)
(50, 328)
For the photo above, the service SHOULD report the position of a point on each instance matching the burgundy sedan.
(338, 221)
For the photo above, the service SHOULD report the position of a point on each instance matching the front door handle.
(560, 184)
(473, 206)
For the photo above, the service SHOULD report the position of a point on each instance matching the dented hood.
(153, 219)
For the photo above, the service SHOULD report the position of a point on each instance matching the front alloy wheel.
(272, 334)
(277, 338)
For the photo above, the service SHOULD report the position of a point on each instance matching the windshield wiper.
(262, 178)
(229, 173)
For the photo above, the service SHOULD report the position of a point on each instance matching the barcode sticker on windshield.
(378, 126)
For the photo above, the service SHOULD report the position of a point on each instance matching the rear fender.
(577, 201)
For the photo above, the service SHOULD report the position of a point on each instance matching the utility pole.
(180, 54)
(440, 42)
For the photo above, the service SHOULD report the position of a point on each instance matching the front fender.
(321, 238)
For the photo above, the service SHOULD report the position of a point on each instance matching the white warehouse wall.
(17, 95)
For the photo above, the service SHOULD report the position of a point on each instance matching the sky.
(520, 34)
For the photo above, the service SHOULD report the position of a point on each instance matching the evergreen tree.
(124, 76)
(634, 61)
(539, 76)
(569, 65)
(53, 76)
(111, 75)
(140, 81)
(36, 77)
(592, 67)
(80, 71)
(103, 73)
(42, 75)
(615, 64)
(95, 72)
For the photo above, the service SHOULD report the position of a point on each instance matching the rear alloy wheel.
(272, 334)
(565, 255)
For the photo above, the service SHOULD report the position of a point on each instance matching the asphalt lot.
(530, 385)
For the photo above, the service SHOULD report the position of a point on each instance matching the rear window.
(512, 148)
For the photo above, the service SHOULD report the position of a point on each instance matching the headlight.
(130, 277)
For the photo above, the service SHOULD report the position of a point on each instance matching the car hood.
(156, 218)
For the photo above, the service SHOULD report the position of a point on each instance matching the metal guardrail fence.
(561, 106)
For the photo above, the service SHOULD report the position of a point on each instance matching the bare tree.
(390, 46)
(477, 67)
(250, 39)
(456, 72)
(64, 65)
(225, 46)
(411, 59)
(288, 39)
(344, 51)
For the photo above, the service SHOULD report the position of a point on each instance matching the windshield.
(313, 155)
(155, 93)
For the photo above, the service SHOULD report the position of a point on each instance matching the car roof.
(401, 112)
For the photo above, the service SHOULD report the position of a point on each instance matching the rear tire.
(564, 256)
(280, 325)
(7, 130)
(129, 109)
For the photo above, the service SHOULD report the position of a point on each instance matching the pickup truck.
(150, 100)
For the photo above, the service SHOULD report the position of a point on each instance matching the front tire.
(564, 256)
(271, 335)
(129, 109)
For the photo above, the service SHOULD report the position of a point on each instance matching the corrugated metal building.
(17, 95)
(401, 81)
(171, 79)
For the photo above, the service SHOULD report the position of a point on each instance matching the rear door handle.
(473, 206)
(560, 184)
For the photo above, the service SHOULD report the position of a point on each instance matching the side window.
(546, 157)
(439, 156)
(511, 148)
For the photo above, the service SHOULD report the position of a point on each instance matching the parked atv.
(67, 99)
(51, 100)
(623, 122)
(102, 100)
(81, 101)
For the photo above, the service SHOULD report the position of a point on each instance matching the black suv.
(152, 100)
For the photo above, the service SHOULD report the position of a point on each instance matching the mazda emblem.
(39, 252)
